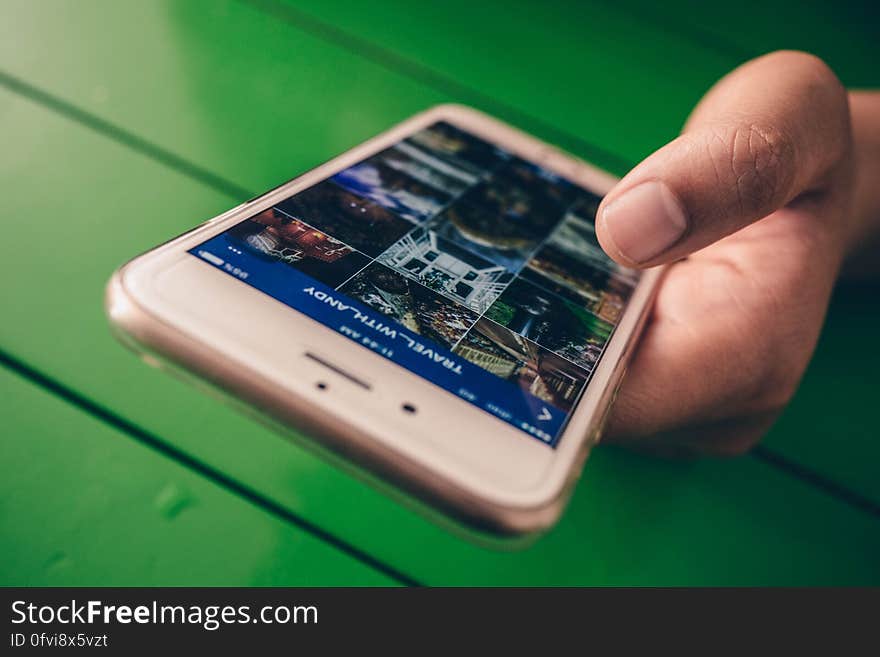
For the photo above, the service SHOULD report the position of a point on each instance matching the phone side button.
(600, 428)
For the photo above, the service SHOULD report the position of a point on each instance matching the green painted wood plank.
(82, 504)
(832, 426)
(230, 89)
(83, 202)
(255, 115)
(844, 34)
(585, 67)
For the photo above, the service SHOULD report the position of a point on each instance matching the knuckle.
(809, 68)
(782, 353)
(774, 389)
(803, 60)
(823, 94)
(756, 162)
(768, 373)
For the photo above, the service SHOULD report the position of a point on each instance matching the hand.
(752, 205)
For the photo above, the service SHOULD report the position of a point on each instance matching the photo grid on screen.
(467, 245)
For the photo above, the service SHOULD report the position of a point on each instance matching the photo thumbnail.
(427, 168)
(576, 236)
(419, 309)
(272, 235)
(596, 290)
(547, 188)
(518, 360)
(573, 265)
(462, 226)
(447, 268)
(393, 189)
(553, 322)
(459, 149)
(506, 217)
(586, 206)
(359, 222)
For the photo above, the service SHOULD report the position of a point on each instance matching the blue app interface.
(462, 263)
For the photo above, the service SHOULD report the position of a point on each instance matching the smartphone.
(430, 308)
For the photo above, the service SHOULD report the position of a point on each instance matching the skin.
(775, 178)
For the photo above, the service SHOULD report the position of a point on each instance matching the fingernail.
(645, 221)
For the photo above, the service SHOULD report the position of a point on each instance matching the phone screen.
(464, 264)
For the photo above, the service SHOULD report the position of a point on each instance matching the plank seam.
(425, 75)
(146, 438)
(832, 488)
(122, 136)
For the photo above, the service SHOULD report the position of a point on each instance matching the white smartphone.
(432, 306)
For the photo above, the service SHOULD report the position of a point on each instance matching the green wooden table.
(122, 123)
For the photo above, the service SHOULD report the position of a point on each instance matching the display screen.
(465, 264)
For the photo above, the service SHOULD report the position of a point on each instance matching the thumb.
(767, 133)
